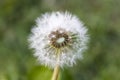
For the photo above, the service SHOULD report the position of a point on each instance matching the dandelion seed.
(58, 38)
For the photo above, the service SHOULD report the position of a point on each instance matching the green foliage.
(40, 73)
(102, 59)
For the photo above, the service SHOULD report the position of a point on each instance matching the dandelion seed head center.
(59, 38)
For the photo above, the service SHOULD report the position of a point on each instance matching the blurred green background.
(102, 59)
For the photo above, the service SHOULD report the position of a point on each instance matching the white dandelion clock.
(58, 39)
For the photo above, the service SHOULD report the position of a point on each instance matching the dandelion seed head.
(58, 31)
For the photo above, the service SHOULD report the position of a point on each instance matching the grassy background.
(102, 59)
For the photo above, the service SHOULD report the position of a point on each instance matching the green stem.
(56, 72)
(57, 67)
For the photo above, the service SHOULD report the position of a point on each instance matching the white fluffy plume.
(51, 22)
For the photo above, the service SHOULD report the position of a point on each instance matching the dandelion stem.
(56, 72)
(57, 67)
